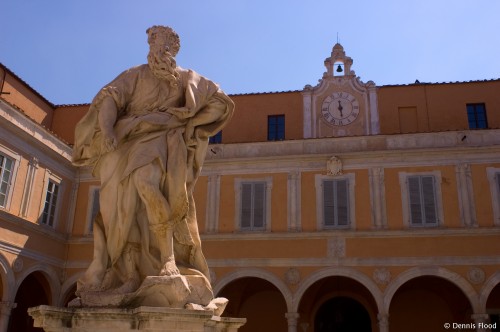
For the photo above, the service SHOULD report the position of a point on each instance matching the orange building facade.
(345, 206)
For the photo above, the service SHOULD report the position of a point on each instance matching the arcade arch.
(258, 300)
(490, 298)
(432, 271)
(257, 273)
(337, 302)
(349, 273)
(7, 280)
(33, 290)
(490, 291)
(50, 276)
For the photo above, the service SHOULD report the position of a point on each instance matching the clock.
(340, 109)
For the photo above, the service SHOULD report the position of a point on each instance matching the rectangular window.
(275, 127)
(216, 139)
(476, 114)
(422, 200)
(49, 209)
(253, 206)
(336, 203)
(6, 168)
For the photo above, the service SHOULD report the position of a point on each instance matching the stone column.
(5, 310)
(383, 322)
(292, 318)
(481, 321)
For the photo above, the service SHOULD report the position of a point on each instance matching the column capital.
(6, 307)
(291, 316)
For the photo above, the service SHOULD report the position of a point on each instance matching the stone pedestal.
(147, 319)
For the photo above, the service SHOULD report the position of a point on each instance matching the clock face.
(340, 108)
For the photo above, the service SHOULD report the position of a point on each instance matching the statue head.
(164, 44)
(164, 38)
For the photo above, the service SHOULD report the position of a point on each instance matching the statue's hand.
(109, 142)
(180, 112)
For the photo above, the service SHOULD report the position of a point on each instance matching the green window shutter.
(259, 205)
(415, 201)
(422, 196)
(429, 199)
(246, 205)
(253, 205)
(342, 203)
(336, 202)
(328, 203)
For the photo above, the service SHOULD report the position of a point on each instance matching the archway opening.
(33, 291)
(257, 300)
(493, 307)
(70, 295)
(334, 303)
(426, 304)
(342, 314)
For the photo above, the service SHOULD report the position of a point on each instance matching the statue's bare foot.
(130, 286)
(169, 269)
(107, 282)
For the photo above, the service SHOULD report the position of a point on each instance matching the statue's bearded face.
(162, 64)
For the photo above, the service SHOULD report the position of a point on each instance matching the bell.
(339, 69)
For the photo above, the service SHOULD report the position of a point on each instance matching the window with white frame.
(494, 181)
(9, 162)
(335, 201)
(421, 194)
(6, 166)
(253, 204)
(50, 204)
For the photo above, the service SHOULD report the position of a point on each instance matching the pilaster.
(294, 210)
(481, 321)
(292, 319)
(383, 322)
(466, 195)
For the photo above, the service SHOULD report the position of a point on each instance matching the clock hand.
(340, 108)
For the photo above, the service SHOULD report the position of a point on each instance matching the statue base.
(166, 291)
(146, 319)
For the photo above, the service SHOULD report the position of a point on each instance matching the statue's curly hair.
(164, 36)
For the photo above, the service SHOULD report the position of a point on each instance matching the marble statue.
(145, 137)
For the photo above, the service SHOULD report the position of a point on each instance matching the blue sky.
(68, 49)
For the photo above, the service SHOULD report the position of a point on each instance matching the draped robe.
(147, 133)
